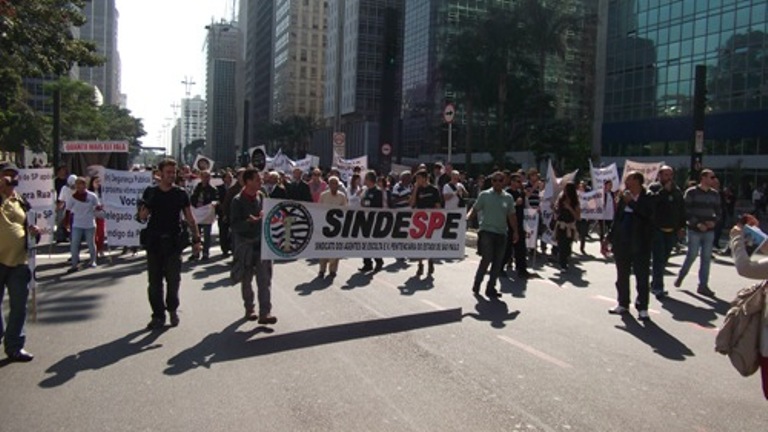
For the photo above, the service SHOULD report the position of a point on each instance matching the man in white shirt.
(334, 197)
(454, 192)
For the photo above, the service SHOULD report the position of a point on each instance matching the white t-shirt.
(84, 212)
(65, 193)
(452, 202)
(339, 200)
(610, 206)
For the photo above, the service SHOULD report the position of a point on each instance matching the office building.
(101, 29)
(259, 63)
(651, 50)
(298, 69)
(224, 102)
(192, 121)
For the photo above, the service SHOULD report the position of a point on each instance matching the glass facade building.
(652, 50)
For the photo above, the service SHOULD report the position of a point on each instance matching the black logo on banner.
(288, 229)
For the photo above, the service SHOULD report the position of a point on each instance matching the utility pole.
(175, 107)
(699, 108)
(188, 83)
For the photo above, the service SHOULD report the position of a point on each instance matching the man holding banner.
(14, 272)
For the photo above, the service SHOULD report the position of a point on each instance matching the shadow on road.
(516, 287)
(358, 280)
(574, 276)
(495, 311)
(416, 283)
(686, 312)
(316, 284)
(657, 338)
(210, 270)
(230, 344)
(101, 356)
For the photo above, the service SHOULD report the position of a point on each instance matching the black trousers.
(163, 263)
(518, 250)
(225, 237)
(627, 263)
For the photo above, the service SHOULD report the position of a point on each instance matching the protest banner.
(281, 163)
(204, 215)
(649, 170)
(299, 230)
(592, 205)
(36, 186)
(601, 175)
(346, 166)
(304, 164)
(120, 193)
(258, 157)
(531, 227)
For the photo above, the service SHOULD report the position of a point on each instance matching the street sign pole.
(448, 114)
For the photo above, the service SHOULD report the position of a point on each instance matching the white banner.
(204, 215)
(531, 227)
(36, 186)
(346, 166)
(299, 230)
(303, 164)
(280, 163)
(601, 175)
(592, 205)
(649, 170)
(120, 194)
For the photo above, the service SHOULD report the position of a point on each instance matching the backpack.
(739, 337)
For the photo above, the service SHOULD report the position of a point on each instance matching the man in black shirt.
(425, 196)
(374, 198)
(298, 189)
(162, 205)
(519, 249)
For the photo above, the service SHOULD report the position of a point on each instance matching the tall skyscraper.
(223, 107)
(259, 67)
(299, 47)
(192, 121)
(363, 73)
(651, 53)
(101, 29)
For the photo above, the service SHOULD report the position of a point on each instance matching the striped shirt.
(701, 206)
(535, 199)
(400, 196)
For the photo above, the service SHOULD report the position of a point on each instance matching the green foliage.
(292, 134)
(35, 41)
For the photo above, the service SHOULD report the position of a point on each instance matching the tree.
(35, 41)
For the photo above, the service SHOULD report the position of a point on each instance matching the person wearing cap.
(14, 271)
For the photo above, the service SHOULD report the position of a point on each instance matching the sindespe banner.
(299, 230)
(36, 186)
(120, 193)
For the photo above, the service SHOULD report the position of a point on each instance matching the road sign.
(339, 138)
(449, 112)
(386, 149)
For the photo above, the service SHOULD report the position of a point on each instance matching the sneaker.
(678, 282)
(156, 323)
(659, 293)
(21, 355)
(332, 275)
(643, 315)
(430, 267)
(250, 315)
(72, 269)
(174, 319)
(267, 319)
(93, 264)
(705, 291)
(321, 274)
(420, 270)
(618, 310)
(379, 266)
(365, 269)
(492, 293)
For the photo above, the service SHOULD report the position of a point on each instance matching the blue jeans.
(78, 234)
(491, 247)
(698, 241)
(663, 243)
(17, 280)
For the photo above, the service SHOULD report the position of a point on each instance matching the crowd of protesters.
(641, 226)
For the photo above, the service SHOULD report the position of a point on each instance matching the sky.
(160, 43)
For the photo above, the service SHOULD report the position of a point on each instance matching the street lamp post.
(188, 83)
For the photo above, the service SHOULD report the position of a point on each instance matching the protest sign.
(649, 170)
(346, 167)
(592, 204)
(120, 193)
(204, 215)
(531, 227)
(299, 230)
(281, 163)
(303, 164)
(36, 187)
(203, 163)
(258, 156)
(601, 175)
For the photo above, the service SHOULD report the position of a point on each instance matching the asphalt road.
(388, 352)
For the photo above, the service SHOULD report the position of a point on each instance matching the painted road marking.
(533, 351)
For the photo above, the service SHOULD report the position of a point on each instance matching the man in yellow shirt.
(14, 272)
